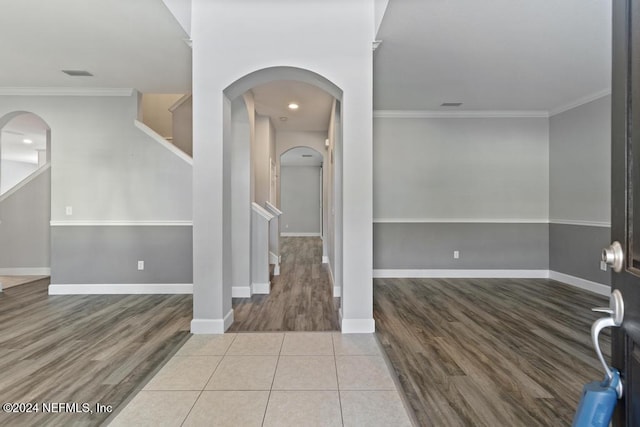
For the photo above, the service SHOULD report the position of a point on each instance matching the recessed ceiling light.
(27, 141)
(293, 106)
(451, 104)
(77, 73)
(283, 119)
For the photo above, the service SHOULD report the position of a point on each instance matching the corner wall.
(580, 190)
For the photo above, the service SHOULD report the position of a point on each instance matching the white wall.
(580, 163)
(12, 172)
(331, 38)
(262, 155)
(300, 200)
(461, 169)
(183, 125)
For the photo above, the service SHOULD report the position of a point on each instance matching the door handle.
(615, 318)
(614, 256)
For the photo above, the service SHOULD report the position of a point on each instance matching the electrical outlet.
(68, 210)
(603, 266)
(140, 265)
(456, 254)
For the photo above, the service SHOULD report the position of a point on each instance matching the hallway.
(301, 296)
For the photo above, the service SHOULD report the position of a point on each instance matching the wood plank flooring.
(301, 297)
(489, 352)
(11, 281)
(93, 348)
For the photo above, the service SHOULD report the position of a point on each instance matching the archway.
(239, 190)
(25, 197)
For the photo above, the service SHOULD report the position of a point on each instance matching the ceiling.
(123, 43)
(272, 99)
(490, 55)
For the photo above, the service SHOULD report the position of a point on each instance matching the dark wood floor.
(489, 352)
(82, 348)
(301, 297)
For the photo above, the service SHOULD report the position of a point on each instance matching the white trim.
(461, 114)
(212, 326)
(276, 270)
(25, 271)
(578, 102)
(300, 234)
(241, 292)
(325, 259)
(578, 282)
(272, 208)
(604, 224)
(358, 326)
(179, 102)
(119, 223)
(64, 91)
(337, 290)
(261, 288)
(33, 175)
(273, 258)
(479, 274)
(262, 211)
(163, 142)
(460, 220)
(120, 289)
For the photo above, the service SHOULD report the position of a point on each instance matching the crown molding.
(64, 91)
(462, 114)
(580, 101)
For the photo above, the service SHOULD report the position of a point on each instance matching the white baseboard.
(588, 285)
(337, 292)
(120, 289)
(212, 326)
(480, 274)
(325, 259)
(25, 271)
(358, 326)
(300, 234)
(241, 292)
(261, 288)
(273, 258)
(276, 270)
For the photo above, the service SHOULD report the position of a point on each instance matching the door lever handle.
(606, 310)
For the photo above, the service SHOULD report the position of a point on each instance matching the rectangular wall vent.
(307, 155)
(451, 104)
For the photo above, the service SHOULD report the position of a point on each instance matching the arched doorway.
(238, 179)
(25, 197)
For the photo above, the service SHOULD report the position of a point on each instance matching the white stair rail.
(260, 219)
(274, 238)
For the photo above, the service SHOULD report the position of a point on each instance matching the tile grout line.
(205, 384)
(273, 379)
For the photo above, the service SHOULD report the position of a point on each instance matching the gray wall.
(300, 199)
(481, 246)
(580, 193)
(109, 171)
(476, 185)
(12, 172)
(108, 254)
(24, 225)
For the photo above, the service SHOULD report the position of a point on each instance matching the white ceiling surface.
(301, 156)
(124, 43)
(13, 134)
(493, 54)
(272, 99)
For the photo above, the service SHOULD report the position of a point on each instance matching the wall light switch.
(68, 210)
(140, 265)
(456, 254)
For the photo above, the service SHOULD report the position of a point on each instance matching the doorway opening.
(25, 198)
(265, 138)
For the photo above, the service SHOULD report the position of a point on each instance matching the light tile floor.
(271, 379)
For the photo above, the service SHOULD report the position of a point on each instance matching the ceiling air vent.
(307, 155)
(451, 104)
(77, 73)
